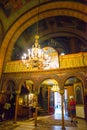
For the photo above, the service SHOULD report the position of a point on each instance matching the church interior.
(43, 61)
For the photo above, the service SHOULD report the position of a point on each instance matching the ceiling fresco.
(11, 6)
(57, 34)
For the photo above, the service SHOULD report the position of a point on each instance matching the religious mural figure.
(78, 93)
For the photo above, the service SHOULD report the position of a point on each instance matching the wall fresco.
(10, 6)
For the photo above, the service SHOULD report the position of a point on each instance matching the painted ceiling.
(9, 6)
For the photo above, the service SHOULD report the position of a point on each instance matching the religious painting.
(78, 93)
(52, 59)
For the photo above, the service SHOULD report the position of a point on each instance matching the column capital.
(61, 91)
(17, 92)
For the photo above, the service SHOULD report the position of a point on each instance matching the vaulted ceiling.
(63, 33)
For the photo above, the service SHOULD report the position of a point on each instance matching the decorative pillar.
(48, 99)
(1, 93)
(16, 106)
(62, 99)
(36, 110)
(36, 116)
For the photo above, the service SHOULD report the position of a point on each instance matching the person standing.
(34, 105)
(72, 108)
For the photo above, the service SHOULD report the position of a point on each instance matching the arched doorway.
(9, 100)
(25, 99)
(74, 88)
(49, 98)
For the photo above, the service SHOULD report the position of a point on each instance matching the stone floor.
(30, 125)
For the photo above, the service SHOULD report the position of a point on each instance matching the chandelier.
(55, 88)
(36, 57)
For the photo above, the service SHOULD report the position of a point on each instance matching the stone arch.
(5, 84)
(76, 90)
(31, 21)
(50, 9)
(77, 75)
(45, 93)
(55, 77)
(9, 92)
(21, 82)
(1, 30)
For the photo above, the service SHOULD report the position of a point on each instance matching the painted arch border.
(80, 76)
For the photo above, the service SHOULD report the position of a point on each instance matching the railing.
(65, 61)
(73, 60)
